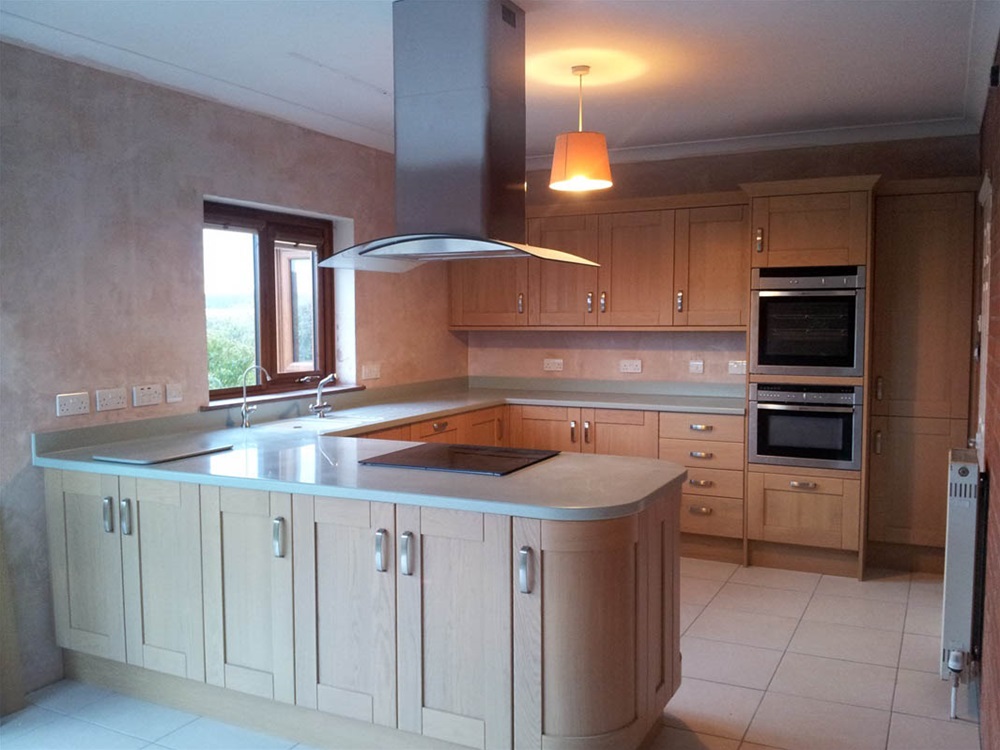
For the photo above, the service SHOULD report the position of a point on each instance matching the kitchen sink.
(333, 425)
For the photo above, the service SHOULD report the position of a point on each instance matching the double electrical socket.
(552, 365)
(70, 404)
(147, 395)
(110, 398)
(630, 365)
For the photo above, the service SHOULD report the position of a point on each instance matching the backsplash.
(594, 355)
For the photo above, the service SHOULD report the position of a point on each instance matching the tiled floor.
(772, 659)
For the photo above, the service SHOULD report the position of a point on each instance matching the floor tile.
(712, 708)
(67, 696)
(755, 746)
(781, 602)
(796, 722)
(926, 589)
(25, 720)
(730, 663)
(923, 619)
(711, 570)
(670, 738)
(862, 613)
(920, 733)
(688, 614)
(834, 641)
(921, 653)
(835, 680)
(68, 733)
(208, 734)
(135, 717)
(926, 694)
(885, 586)
(698, 591)
(774, 578)
(749, 628)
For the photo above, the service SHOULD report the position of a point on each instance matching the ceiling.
(669, 78)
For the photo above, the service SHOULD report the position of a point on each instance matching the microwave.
(808, 321)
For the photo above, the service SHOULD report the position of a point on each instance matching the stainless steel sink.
(325, 425)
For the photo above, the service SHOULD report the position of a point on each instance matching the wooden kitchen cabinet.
(711, 272)
(816, 510)
(489, 292)
(402, 432)
(126, 569)
(821, 222)
(478, 427)
(247, 559)
(563, 294)
(637, 268)
(620, 432)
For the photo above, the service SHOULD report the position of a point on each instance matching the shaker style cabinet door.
(711, 273)
(637, 268)
(563, 294)
(811, 229)
(489, 292)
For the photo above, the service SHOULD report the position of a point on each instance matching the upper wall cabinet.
(823, 222)
(489, 292)
(563, 293)
(710, 266)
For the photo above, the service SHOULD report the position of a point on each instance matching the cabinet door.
(554, 428)
(85, 553)
(620, 432)
(389, 433)
(442, 430)
(637, 265)
(454, 626)
(710, 267)
(922, 324)
(485, 426)
(563, 294)
(161, 561)
(907, 492)
(345, 608)
(489, 292)
(247, 562)
(813, 229)
(803, 509)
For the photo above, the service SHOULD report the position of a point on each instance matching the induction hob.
(465, 459)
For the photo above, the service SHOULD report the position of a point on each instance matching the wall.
(101, 207)
(990, 703)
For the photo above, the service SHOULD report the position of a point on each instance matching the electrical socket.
(147, 395)
(552, 365)
(110, 398)
(371, 372)
(696, 367)
(70, 404)
(630, 365)
(737, 367)
(175, 393)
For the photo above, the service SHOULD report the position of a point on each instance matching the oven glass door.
(814, 330)
(796, 435)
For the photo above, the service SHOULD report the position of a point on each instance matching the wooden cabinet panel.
(727, 428)
(636, 275)
(711, 271)
(441, 430)
(345, 608)
(708, 454)
(546, 427)
(485, 426)
(249, 637)
(812, 229)
(712, 515)
(620, 432)
(722, 482)
(390, 433)
(908, 480)
(922, 325)
(560, 291)
(817, 511)
(489, 292)
(454, 627)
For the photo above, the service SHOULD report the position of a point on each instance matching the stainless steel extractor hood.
(459, 103)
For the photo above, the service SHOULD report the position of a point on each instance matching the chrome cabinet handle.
(604, 302)
(520, 303)
(109, 521)
(572, 430)
(701, 454)
(878, 388)
(680, 301)
(758, 241)
(380, 558)
(701, 482)
(406, 553)
(699, 510)
(590, 302)
(878, 442)
(795, 484)
(586, 431)
(439, 426)
(702, 427)
(278, 536)
(525, 582)
(125, 516)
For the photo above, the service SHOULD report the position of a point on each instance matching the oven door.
(825, 437)
(808, 332)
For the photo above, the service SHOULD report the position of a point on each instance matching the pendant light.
(580, 158)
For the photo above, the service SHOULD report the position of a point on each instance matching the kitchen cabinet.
(563, 294)
(247, 559)
(711, 271)
(401, 432)
(711, 446)
(489, 292)
(821, 222)
(126, 569)
(620, 432)
(478, 427)
(817, 510)
(636, 274)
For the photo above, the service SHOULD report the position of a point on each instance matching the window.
(266, 303)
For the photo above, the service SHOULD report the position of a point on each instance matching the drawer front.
(717, 516)
(443, 430)
(721, 482)
(828, 515)
(804, 483)
(723, 428)
(711, 454)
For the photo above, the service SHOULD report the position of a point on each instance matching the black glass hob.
(465, 459)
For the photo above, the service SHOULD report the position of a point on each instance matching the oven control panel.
(834, 395)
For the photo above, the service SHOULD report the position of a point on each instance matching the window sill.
(267, 398)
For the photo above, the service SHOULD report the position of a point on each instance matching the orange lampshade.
(580, 162)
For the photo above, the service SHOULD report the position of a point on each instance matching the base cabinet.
(619, 432)
(817, 511)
